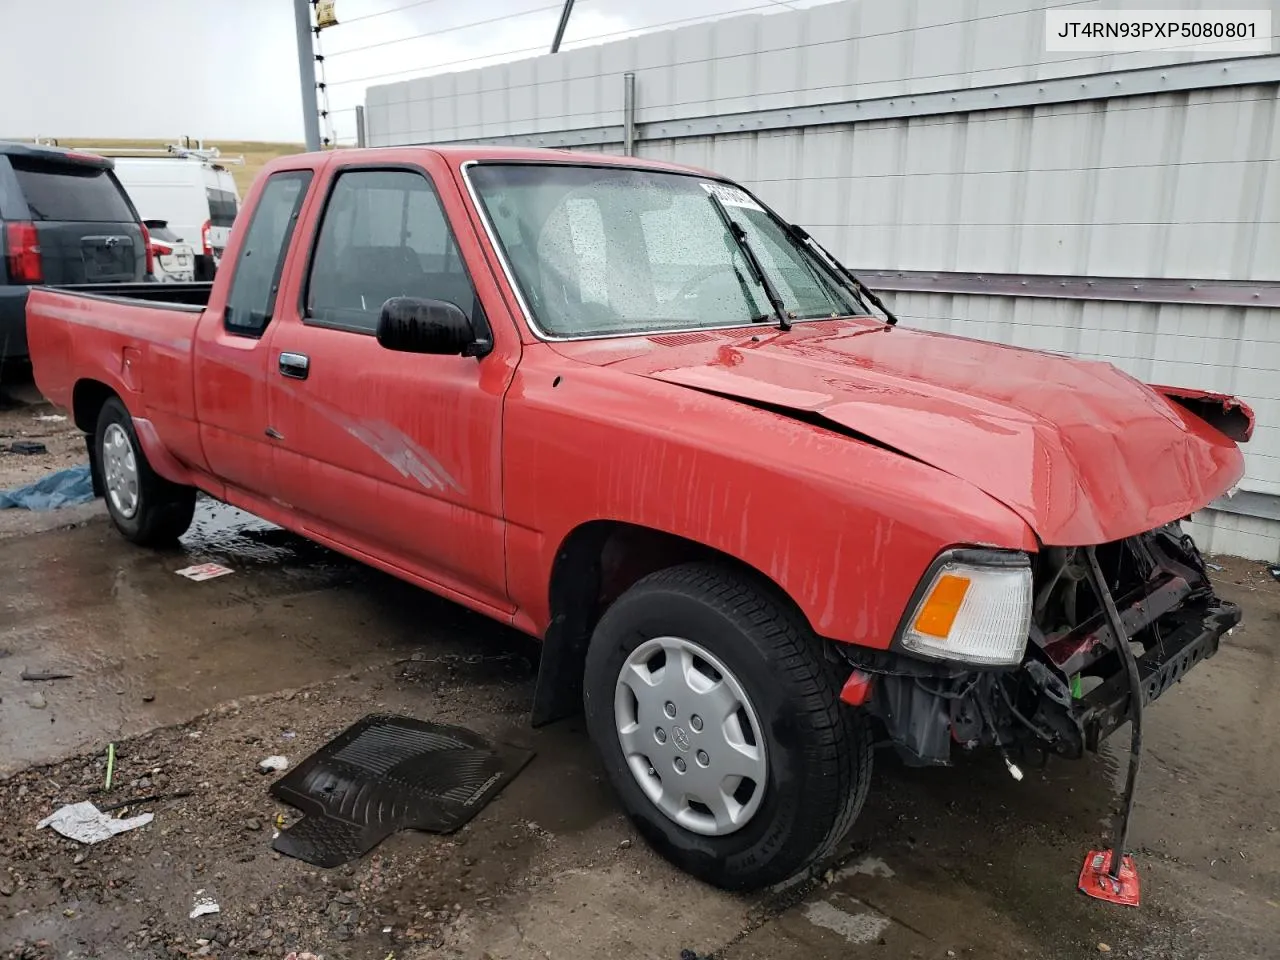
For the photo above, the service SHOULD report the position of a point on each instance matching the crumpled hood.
(1084, 453)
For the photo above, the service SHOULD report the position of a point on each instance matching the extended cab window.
(383, 235)
(257, 270)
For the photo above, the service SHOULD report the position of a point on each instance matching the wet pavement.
(196, 682)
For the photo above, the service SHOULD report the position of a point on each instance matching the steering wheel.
(687, 288)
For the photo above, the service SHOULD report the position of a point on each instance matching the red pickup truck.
(626, 408)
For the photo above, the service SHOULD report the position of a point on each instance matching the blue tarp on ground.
(62, 489)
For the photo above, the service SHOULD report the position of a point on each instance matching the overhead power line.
(383, 13)
(541, 47)
(880, 35)
(443, 30)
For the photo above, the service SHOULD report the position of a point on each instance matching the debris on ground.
(273, 764)
(37, 701)
(28, 447)
(149, 798)
(1274, 570)
(203, 905)
(86, 823)
(62, 488)
(1217, 567)
(204, 571)
(45, 675)
(50, 418)
(412, 769)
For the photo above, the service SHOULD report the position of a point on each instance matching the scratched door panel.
(395, 452)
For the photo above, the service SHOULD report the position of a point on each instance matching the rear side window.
(159, 232)
(61, 191)
(383, 235)
(257, 269)
(222, 207)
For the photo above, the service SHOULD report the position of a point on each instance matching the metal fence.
(1122, 207)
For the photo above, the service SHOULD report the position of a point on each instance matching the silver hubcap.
(690, 736)
(120, 470)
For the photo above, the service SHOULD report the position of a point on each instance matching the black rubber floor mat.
(388, 773)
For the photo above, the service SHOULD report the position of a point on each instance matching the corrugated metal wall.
(1150, 166)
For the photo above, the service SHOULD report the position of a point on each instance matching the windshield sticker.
(731, 196)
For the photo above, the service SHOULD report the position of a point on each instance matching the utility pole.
(560, 28)
(307, 73)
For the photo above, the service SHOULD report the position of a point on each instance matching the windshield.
(602, 250)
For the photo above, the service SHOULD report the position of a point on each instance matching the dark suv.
(64, 219)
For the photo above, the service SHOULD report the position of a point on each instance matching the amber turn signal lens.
(938, 612)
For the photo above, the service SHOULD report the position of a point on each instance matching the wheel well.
(597, 562)
(87, 400)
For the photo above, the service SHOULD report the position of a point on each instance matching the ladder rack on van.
(208, 155)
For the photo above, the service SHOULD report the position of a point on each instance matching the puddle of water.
(568, 792)
(148, 647)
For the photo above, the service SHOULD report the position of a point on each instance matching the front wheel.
(144, 506)
(719, 725)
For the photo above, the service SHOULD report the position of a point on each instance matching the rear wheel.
(719, 725)
(145, 507)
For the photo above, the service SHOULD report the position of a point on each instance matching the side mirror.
(416, 325)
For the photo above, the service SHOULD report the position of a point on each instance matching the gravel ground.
(136, 889)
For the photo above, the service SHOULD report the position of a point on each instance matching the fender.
(1229, 415)
(162, 461)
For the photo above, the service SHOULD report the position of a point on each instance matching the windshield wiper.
(740, 237)
(803, 235)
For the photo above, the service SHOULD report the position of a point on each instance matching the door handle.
(295, 365)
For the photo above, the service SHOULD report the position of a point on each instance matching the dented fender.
(845, 529)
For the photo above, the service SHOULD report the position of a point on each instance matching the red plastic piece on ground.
(1097, 882)
(857, 689)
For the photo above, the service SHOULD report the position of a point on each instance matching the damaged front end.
(1066, 689)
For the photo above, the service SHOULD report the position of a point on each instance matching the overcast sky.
(227, 69)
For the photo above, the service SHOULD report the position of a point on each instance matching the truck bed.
(134, 340)
(188, 295)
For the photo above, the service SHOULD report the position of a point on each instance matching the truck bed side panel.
(140, 350)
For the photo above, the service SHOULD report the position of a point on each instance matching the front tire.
(148, 509)
(740, 765)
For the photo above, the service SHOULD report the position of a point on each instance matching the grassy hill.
(255, 153)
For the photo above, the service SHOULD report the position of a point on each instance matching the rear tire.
(735, 644)
(148, 509)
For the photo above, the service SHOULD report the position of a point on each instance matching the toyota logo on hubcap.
(680, 738)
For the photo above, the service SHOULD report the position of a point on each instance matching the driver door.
(395, 454)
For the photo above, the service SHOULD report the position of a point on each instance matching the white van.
(194, 195)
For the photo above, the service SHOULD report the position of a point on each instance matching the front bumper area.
(1160, 667)
(1071, 690)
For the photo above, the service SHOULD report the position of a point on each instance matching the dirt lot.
(195, 683)
(24, 418)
